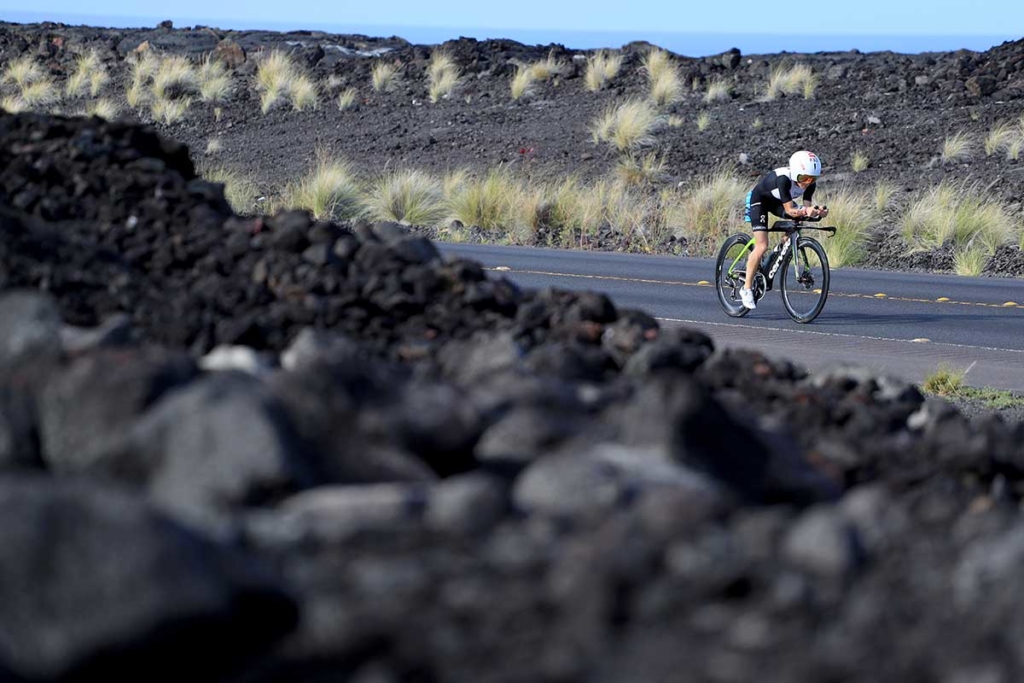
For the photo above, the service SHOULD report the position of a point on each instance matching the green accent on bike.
(749, 247)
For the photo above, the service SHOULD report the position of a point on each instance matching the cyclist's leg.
(758, 220)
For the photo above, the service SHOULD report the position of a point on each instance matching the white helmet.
(804, 163)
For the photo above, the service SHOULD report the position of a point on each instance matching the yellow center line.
(819, 333)
(704, 283)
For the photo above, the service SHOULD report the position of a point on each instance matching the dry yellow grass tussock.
(104, 108)
(40, 93)
(215, 82)
(90, 76)
(13, 104)
(883, 195)
(524, 82)
(409, 196)
(956, 147)
(384, 75)
(240, 190)
(718, 90)
(627, 126)
(168, 111)
(859, 161)
(304, 93)
(549, 68)
(443, 76)
(22, 72)
(960, 214)
(175, 76)
(663, 77)
(635, 170)
(708, 211)
(347, 98)
(852, 213)
(488, 202)
(656, 62)
(528, 76)
(329, 191)
(602, 67)
(274, 76)
(791, 80)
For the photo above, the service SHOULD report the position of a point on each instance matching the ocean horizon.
(680, 42)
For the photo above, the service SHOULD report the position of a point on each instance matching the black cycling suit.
(770, 194)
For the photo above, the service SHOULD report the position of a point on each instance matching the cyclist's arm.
(809, 205)
(808, 193)
(792, 209)
(812, 212)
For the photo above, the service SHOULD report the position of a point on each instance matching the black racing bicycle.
(802, 271)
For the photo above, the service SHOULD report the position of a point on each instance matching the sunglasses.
(805, 178)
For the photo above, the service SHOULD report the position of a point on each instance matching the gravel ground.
(976, 408)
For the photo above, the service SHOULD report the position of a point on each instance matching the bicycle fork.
(801, 267)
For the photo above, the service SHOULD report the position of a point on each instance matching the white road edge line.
(835, 334)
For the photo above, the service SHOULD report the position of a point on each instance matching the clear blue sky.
(704, 28)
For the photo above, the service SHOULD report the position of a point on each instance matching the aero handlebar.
(798, 223)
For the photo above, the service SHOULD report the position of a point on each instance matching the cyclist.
(777, 193)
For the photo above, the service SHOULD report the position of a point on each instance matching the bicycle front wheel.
(805, 280)
(730, 271)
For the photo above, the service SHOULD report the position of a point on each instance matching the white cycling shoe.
(747, 297)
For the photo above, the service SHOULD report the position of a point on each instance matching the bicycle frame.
(777, 255)
(780, 250)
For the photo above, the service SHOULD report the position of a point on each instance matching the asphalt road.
(900, 324)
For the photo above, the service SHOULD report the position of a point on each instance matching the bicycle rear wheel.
(730, 271)
(805, 280)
